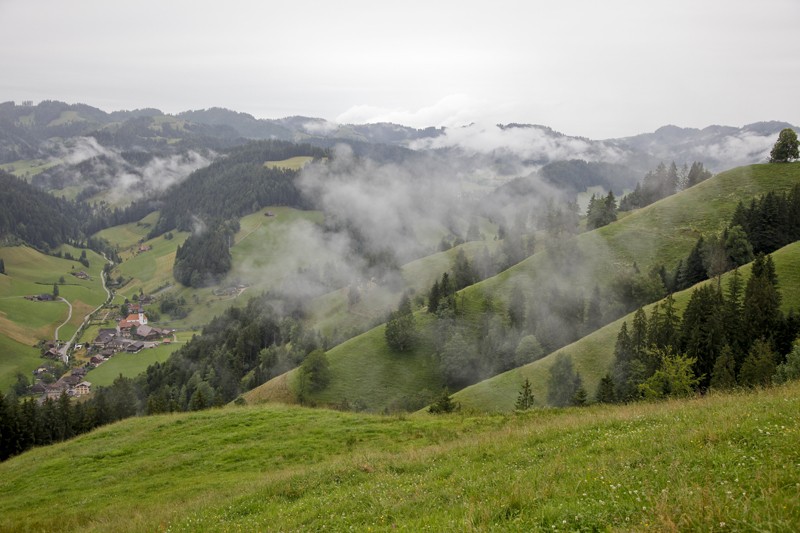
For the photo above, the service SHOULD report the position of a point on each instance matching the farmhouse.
(104, 337)
(135, 347)
(148, 333)
(72, 380)
(118, 344)
(82, 388)
(55, 390)
(107, 352)
(81, 275)
(97, 360)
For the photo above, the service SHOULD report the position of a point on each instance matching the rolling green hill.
(661, 233)
(716, 463)
(593, 355)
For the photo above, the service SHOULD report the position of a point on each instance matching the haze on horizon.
(585, 68)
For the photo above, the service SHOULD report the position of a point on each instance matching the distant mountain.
(717, 147)
(49, 130)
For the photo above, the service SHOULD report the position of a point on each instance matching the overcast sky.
(597, 69)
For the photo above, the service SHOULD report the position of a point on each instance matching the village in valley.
(131, 334)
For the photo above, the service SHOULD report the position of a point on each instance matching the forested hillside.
(235, 185)
(28, 214)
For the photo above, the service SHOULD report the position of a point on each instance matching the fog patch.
(532, 143)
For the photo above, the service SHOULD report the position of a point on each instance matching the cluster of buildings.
(74, 384)
(131, 335)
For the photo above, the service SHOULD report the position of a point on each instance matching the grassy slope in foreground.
(593, 355)
(663, 232)
(718, 462)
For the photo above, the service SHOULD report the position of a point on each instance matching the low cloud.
(126, 181)
(535, 143)
(157, 175)
(320, 127)
(743, 148)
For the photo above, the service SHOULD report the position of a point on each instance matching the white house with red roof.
(133, 320)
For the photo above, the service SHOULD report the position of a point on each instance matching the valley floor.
(723, 462)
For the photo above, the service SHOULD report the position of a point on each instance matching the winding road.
(64, 350)
(69, 317)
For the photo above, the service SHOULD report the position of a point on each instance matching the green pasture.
(293, 163)
(714, 463)
(130, 364)
(27, 168)
(16, 358)
(128, 236)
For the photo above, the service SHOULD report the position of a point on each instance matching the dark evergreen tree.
(2, 266)
(444, 404)
(702, 331)
(400, 332)
(601, 211)
(723, 376)
(9, 429)
(315, 372)
(735, 331)
(697, 174)
(761, 314)
(605, 390)
(628, 371)
(525, 398)
(580, 397)
(463, 274)
(665, 328)
(639, 334)
(433, 297)
(738, 249)
(563, 383)
(694, 270)
(759, 365)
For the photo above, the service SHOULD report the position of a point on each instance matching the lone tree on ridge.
(786, 147)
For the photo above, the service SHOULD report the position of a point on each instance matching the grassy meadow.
(127, 236)
(27, 168)
(16, 357)
(130, 364)
(715, 463)
(293, 163)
